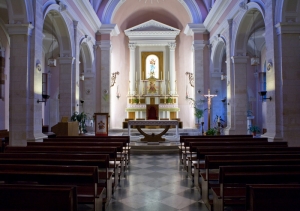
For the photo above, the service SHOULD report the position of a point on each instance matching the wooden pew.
(111, 151)
(38, 197)
(182, 138)
(213, 162)
(123, 139)
(85, 178)
(194, 145)
(119, 145)
(233, 180)
(203, 151)
(272, 197)
(99, 160)
(186, 142)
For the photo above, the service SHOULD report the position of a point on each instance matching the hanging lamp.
(255, 58)
(51, 60)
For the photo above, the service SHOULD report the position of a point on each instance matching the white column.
(172, 72)
(105, 47)
(239, 99)
(132, 71)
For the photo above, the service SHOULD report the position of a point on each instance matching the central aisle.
(156, 182)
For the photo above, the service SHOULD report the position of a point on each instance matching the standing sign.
(101, 124)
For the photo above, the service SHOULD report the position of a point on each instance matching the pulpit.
(65, 129)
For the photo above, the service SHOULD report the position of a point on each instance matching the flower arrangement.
(81, 118)
(254, 129)
(211, 132)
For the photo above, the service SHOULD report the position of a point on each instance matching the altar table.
(153, 137)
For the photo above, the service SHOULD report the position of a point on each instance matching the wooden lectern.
(65, 128)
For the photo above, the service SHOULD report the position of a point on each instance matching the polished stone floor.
(156, 182)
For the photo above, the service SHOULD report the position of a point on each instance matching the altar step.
(154, 149)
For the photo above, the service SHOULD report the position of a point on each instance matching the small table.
(153, 137)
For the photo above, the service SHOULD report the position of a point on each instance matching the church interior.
(229, 67)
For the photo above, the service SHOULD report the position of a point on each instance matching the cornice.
(19, 29)
(194, 28)
(88, 12)
(111, 29)
(287, 27)
(215, 13)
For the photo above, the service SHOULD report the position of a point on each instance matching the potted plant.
(197, 111)
(169, 100)
(254, 129)
(211, 132)
(81, 118)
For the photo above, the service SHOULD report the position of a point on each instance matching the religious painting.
(152, 65)
(101, 124)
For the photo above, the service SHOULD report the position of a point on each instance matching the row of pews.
(239, 172)
(61, 173)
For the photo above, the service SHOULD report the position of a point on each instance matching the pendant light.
(52, 61)
(254, 59)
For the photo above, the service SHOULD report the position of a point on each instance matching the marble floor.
(156, 182)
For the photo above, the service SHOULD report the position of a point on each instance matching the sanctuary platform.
(170, 145)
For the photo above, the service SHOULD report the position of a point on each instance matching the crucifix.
(209, 96)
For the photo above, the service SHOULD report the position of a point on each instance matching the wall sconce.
(269, 66)
(262, 94)
(191, 78)
(38, 65)
(199, 91)
(113, 78)
(81, 77)
(224, 100)
(118, 94)
(45, 97)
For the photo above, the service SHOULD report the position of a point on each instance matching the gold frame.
(160, 56)
(103, 116)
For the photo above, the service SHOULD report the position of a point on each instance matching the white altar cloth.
(153, 123)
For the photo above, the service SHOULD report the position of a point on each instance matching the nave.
(156, 182)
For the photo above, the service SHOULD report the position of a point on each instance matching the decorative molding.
(151, 25)
(215, 14)
(172, 45)
(194, 10)
(113, 78)
(132, 46)
(152, 33)
(19, 29)
(287, 28)
(192, 28)
(111, 29)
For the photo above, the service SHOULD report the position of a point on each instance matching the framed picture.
(152, 65)
(101, 124)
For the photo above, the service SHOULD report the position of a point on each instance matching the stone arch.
(196, 10)
(62, 30)
(20, 12)
(218, 53)
(287, 11)
(245, 27)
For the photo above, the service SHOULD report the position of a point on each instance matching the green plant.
(169, 100)
(254, 129)
(211, 132)
(197, 111)
(136, 100)
(80, 118)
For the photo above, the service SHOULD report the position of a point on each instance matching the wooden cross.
(209, 97)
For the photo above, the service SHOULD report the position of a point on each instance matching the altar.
(153, 137)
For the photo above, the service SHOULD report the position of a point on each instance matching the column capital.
(75, 24)
(193, 28)
(111, 29)
(66, 60)
(104, 44)
(132, 46)
(14, 29)
(230, 22)
(172, 46)
(239, 59)
(287, 28)
(199, 44)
